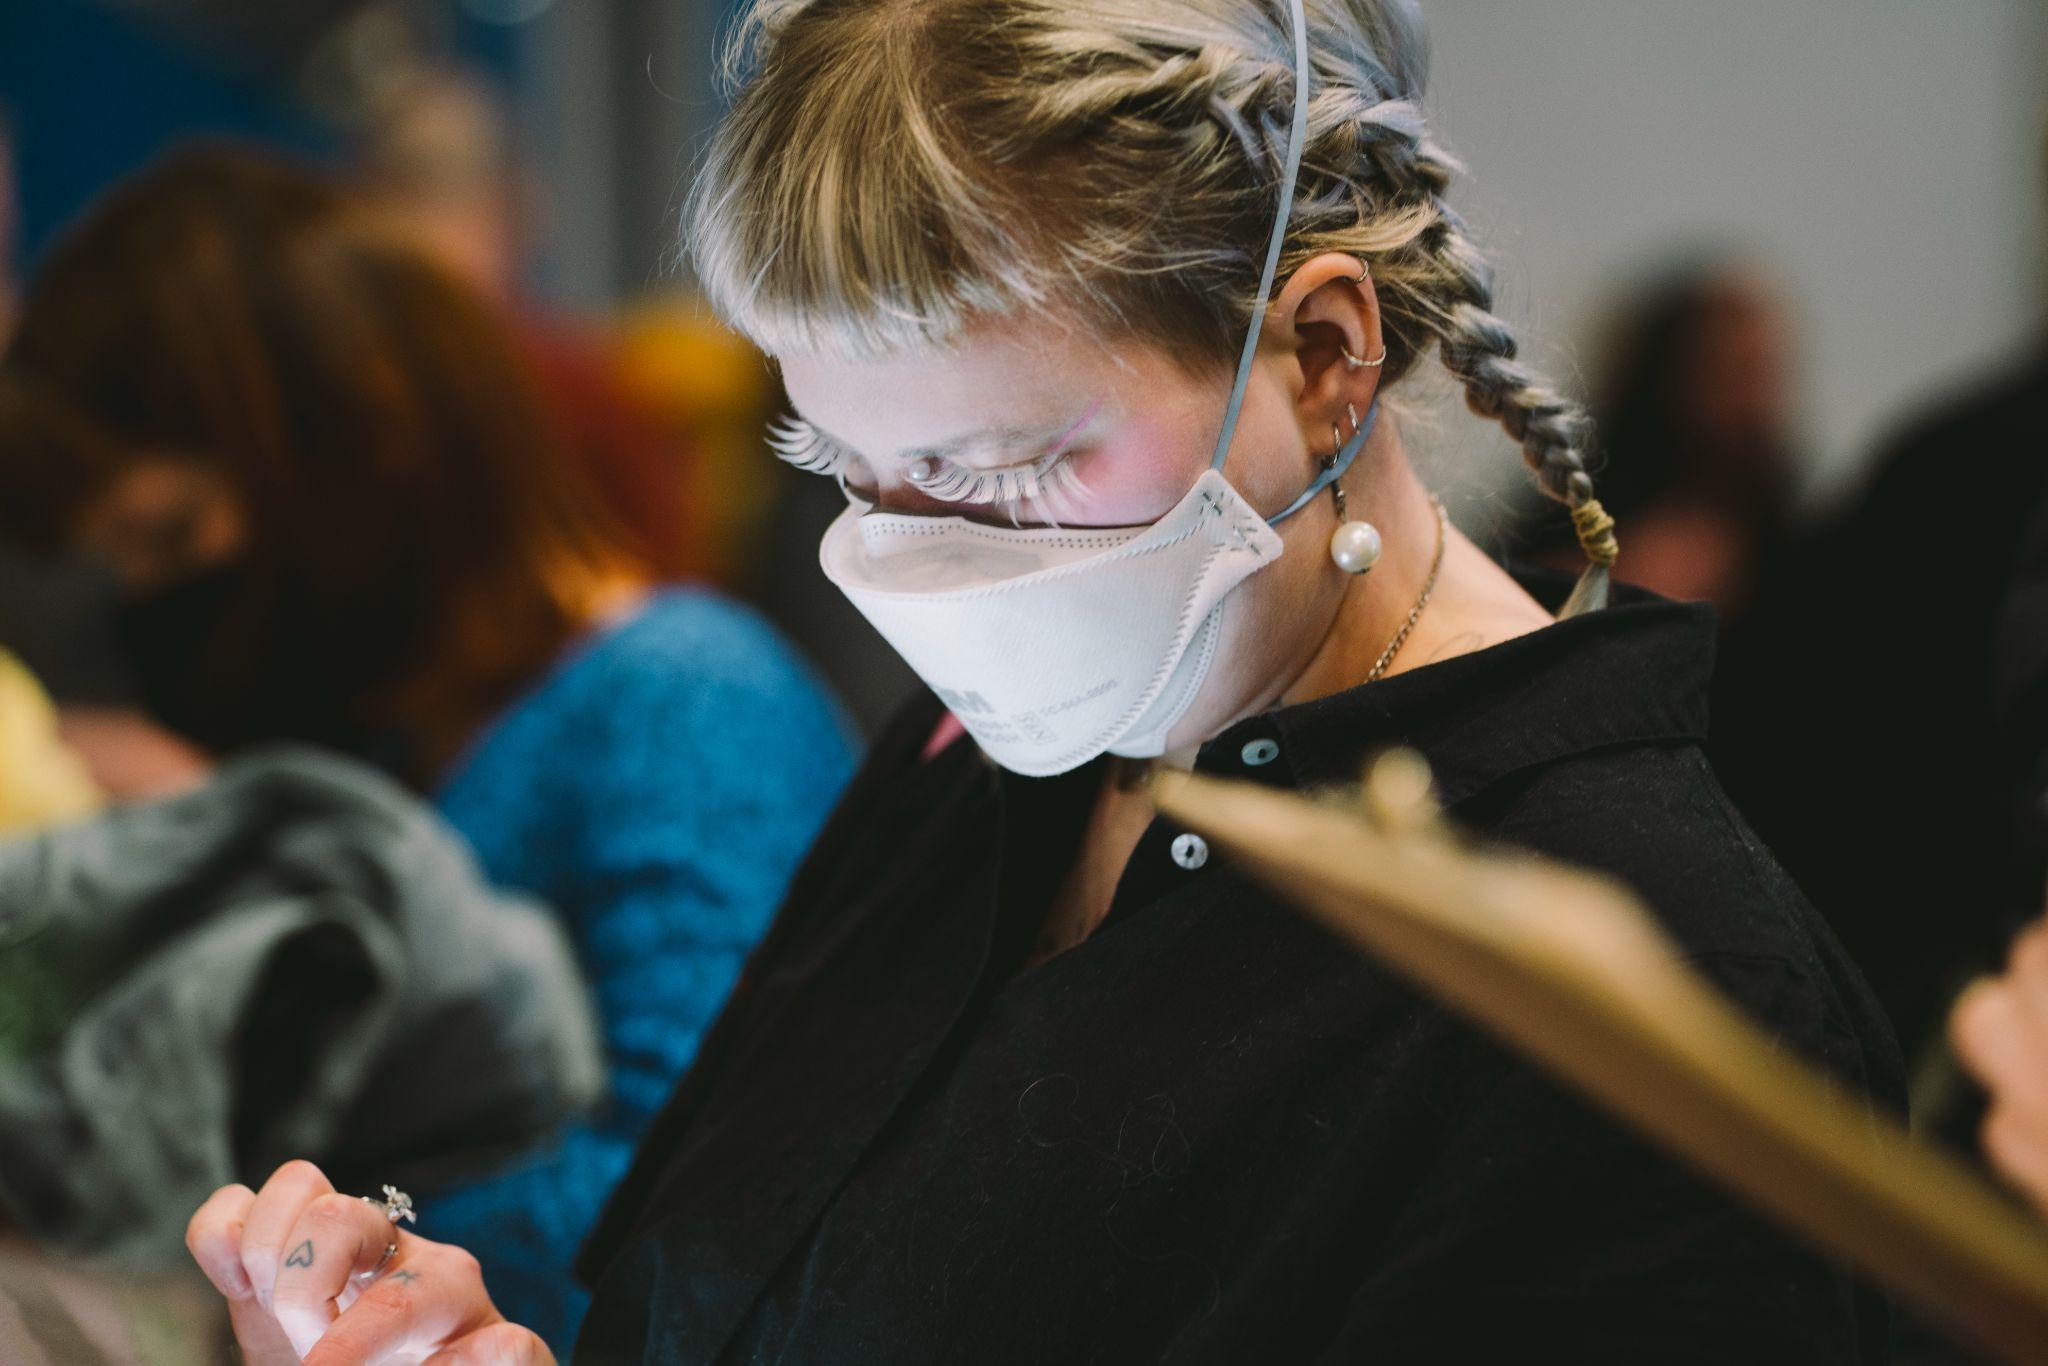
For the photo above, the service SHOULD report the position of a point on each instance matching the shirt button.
(1190, 851)
(1258, 752)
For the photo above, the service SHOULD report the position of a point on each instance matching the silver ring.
(390, 1251)
(396, 1205)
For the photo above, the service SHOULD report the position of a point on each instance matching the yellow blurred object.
(41, 781)
(709, 387)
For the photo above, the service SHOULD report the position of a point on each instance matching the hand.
(131, 757)
(2000, 1031)
(294, 1260)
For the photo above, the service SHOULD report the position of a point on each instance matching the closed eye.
(1009, 485)
(1049, 476)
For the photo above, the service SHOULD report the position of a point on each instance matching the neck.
(1475, 603)
(1372, 607)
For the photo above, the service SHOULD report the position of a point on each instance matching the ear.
(1332, 311)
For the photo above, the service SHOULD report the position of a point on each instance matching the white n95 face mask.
(1055, 645)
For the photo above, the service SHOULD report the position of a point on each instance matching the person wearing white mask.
(1097, 309)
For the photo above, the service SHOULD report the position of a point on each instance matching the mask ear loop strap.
(1295, 137)
(1333, 471)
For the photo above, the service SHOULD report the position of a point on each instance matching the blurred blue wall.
(92, 93)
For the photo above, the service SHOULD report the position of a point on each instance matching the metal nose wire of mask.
(1296, 136)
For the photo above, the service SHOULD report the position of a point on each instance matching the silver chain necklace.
(1443, 521)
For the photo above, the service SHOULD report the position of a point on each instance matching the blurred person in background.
(664, 403)
(2000, 1026)
(1696, 412)
(52, 633)
(1879, 734)
(438, 147)
(333, 494)
(2019, 680)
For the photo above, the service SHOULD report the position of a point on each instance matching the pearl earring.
(1354, 545)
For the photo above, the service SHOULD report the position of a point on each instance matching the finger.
(279, 1204)
(2006, 1046)
(337, 1238)
(435, 1298)
(2027, 971)
(1996, 1039)
(501, 1344)
(2019, 1148)
(263, 1343)
(213, 1235)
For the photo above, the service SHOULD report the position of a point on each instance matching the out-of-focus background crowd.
(356, 386)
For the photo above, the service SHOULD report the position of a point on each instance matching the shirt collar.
(1634, 672)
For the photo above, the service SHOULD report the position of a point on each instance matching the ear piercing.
(1355, 545)
(1351, 361)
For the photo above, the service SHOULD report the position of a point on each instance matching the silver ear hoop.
(1355, 363)
(1337, 435)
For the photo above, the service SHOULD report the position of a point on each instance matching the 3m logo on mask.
(962, 702)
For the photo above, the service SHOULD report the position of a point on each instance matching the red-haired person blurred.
(339, 507)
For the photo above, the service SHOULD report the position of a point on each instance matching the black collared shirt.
(1209, 1132)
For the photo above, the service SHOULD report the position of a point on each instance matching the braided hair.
(893, 170)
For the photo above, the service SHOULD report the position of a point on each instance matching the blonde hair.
(893, 171)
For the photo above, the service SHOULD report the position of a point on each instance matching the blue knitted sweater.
(657, 787)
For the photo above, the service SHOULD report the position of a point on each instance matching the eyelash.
(798, 443)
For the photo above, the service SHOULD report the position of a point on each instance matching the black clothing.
(2019, 690)
(58, 618)
(1858, 720)
(1210, 1132)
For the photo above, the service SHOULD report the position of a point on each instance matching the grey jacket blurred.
(297, 960)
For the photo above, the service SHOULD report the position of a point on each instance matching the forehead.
(996, 376)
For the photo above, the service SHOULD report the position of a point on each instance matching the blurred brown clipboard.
(1567, 967)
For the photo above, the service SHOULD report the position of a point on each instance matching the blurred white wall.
(1884, 156)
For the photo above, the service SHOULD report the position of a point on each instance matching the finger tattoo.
(302, 1255)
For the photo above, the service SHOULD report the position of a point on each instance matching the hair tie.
(1596, 532)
